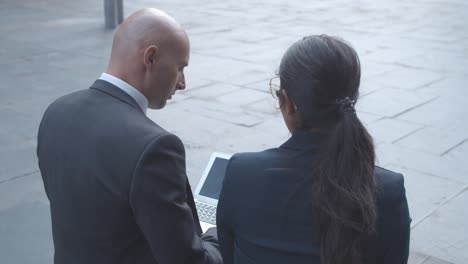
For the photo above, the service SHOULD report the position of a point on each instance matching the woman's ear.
(151, 56)
(288, 103)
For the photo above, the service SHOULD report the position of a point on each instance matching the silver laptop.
(209, 187)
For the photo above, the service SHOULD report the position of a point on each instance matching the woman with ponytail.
(318, 198)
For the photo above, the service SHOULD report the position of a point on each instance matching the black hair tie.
(346, 105)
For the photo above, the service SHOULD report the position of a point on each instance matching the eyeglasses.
(275, 90)
(275, 87)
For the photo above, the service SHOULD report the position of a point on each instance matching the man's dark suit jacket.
(265, 213)
(117, 184)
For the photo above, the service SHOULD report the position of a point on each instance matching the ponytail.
(344, 189)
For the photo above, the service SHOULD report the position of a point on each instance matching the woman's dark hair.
(321, 74)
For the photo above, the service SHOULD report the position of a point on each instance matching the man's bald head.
(147, 45)
(145, 27)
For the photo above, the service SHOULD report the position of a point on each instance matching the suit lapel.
(114, 91)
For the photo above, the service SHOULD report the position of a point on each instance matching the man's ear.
(288, 103)
(151, 56)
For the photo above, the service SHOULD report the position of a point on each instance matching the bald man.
(115, 180)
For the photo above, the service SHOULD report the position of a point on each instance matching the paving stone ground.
(414, 92)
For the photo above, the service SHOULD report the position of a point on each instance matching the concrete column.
(113, 11)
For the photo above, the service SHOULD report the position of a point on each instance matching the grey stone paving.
(414, 92)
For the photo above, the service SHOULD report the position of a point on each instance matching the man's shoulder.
(66, 99)
(89, 97)
(117, 119)
(62, 107)
(73, 101)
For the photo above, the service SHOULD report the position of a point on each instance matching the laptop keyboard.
(206, 212)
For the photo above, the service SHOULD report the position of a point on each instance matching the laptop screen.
(214, 180)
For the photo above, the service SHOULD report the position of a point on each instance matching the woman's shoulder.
(243, 165)
(255, 158)
(391, 185)
(393, 209)
(388, 179)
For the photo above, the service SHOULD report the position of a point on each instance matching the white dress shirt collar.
(130, 90)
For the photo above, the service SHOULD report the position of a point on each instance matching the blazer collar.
(304, 140)
(114, 91)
